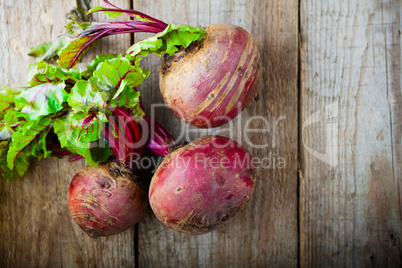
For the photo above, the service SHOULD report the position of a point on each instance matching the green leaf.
(39, 50)
(136, 112)
(46, 91)
(100, 150)
(41, 72)
(110, 74)
(78, 137)
(72, 28)
(85, 95)
(10, 119)
(167, 41)
(110, 86)
(4, 149)
(79, 13)
(125, 97)
(5, 133)
(87, 125)
(117, 12)
(21, 163)
(21, 166)
(94, 64)
(68, 55)
(29, 139)
(49, 51)
(75, 27)
(112, 14)
(42, 100)
(7, 95)
(4, 144)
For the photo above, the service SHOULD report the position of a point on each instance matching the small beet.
(106, 199)
(200, 186)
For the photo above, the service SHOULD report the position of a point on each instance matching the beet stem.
(110, 28)
(119, 148)
(87, 45)
(128, 140)
(122, 27)
(131, 13)
(131, 122)
(111, 139)
(54, 146)
(61, 153)
(75, 158)
(161, 142)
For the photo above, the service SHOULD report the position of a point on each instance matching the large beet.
(105, 200)
(210, 82)
(203, 184)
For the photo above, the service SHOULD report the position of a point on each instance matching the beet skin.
(202, 185)
(210, 82)
(105, 199)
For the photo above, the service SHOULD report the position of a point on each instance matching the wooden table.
(329, 109)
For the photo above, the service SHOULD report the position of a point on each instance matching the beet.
(200, 186)
(209, 83)
(105, 199)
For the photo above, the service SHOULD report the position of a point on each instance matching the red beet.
(200, 186)
(209, 83)
(105, 200)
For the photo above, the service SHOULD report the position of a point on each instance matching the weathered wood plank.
(265, 233)
(350, 207)
(393, 37)
(35, 226)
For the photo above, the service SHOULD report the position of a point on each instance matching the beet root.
(105, 199)
(210, 82)
(200, 186)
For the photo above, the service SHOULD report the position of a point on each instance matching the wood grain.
(350, 191)
(35, 227)
(344, 126)
(265, 233)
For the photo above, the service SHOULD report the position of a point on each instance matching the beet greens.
(93, 112)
